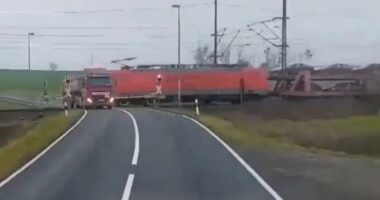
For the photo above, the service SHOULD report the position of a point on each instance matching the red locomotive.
(189, 82)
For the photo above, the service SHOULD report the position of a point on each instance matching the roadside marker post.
(45, 94)
(66, 109)
(197, 107)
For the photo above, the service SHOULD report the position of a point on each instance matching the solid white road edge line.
(128, 187)
(137, 138)
(241, 160)
(266, 186)
(28, 164)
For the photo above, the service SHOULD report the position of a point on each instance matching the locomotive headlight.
(159, 78)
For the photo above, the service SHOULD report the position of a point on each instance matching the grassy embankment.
(25, 83)
(8, 106)
(351, 135)
(44, 132)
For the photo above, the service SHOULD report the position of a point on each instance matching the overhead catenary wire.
(89, 48)
(232, 41)
(48, 35)
(94, 44)
(264, 38)
(84, 27)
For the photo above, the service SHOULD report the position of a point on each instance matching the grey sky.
(335, 30)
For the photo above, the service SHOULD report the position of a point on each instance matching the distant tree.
(243, 62)
(264, 64)
(53, 66)
(202, 54)
(272, 59)
(240, 53)
(308, 54)
(226, 54)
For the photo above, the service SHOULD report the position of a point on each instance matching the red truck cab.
(97, 88)
(92, 89)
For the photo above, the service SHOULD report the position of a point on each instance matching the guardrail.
(29, 103)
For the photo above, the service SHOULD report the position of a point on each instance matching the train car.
(232, 83)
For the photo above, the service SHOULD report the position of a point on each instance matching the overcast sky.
(71, 33)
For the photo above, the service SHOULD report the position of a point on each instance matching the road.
(140, 154)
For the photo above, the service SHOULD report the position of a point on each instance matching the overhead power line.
(89, 47)
(83, 27)
(264, 38)
(94, 44)
(58, 35)
(10, 48)
(47, 35)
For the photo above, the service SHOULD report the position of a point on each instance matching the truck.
(92, 89)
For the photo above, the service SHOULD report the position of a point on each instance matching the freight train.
(185, 83)
(149, 84)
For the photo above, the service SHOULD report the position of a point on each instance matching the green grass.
(228, 131)
(30, 83)
(19, 151)
(353, 135)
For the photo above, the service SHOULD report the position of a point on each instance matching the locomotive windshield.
(99, 81)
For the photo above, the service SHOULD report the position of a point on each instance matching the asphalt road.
(143, 154)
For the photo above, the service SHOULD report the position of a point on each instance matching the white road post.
(66, 109)
(196, 107)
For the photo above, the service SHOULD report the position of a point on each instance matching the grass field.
(356, 135)
(45, 131)
(353, 135)
(30, 83)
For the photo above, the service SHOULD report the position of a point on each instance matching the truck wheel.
(72, 105)
(109, 107)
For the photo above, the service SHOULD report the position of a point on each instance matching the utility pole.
(29, 35)
(284, 45)
(179, 32)
(216, 34)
